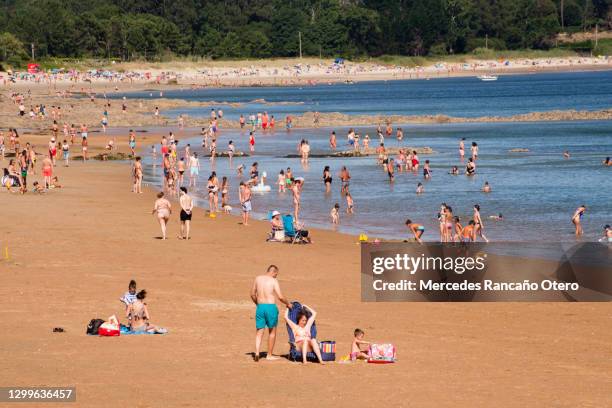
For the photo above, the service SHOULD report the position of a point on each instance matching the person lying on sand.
(301, 333)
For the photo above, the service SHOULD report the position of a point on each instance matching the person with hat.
(277, 226)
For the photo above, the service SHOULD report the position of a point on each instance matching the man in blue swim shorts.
(264, 293)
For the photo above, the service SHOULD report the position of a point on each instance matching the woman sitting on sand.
(140, 316)
(163, 209)
(10, 180)
(301, 332)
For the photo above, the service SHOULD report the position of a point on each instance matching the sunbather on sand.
(140, 316)
(301, 332)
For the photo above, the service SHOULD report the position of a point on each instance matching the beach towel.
(125, 330)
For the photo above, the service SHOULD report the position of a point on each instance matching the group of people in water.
(175, 165)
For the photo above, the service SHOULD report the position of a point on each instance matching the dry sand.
(72, 252)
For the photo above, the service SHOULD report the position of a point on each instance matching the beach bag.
(108, 330)
(279, 235)
(381, 353)
(328, 350)
(93, 326)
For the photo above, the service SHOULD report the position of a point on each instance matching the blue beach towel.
(124, 330)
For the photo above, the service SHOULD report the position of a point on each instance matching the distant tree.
(12, 50)
(230, 46)
(287, 22)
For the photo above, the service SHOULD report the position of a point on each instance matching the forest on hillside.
(161, 29)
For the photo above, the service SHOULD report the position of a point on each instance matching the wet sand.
(139, 113)
(73, 251)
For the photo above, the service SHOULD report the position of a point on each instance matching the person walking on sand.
(194, 169)
(162, 209)
(47, 170)
(186, 203)
(576, 218)
(137, 188)
(264, 292)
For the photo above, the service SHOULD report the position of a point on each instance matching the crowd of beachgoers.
(281, 73)
(181, 167)
(29, 169)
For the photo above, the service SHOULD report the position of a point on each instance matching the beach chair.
(294, 353)
(291, 233)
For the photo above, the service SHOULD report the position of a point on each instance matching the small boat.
(487, 77)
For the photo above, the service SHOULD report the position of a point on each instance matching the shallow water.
(460, 97)
(537, 192)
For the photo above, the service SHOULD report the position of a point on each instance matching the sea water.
(537, 191)
(459, 97)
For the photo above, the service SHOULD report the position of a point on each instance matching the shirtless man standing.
(244, 195)
(264, 293)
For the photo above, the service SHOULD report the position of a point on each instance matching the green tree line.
(159, 29)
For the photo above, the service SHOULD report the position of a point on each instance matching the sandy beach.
(72, 251)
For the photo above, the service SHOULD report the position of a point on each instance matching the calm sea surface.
(537, 192)
(461, 97)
